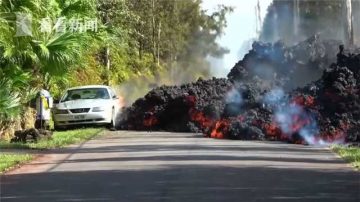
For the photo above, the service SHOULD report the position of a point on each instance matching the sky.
(241, 28)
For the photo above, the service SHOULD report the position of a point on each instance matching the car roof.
(89, 86)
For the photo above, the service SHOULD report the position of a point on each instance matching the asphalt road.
(141, 166)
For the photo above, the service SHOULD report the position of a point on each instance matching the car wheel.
(59, 128)
(112, 124)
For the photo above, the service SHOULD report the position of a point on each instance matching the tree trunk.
(158, 44)
(349, 24)
(140, 49)
(107, 56)
(296, 19)
(153, 30)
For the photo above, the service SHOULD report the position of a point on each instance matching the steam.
(274, 97)
(293, 119)
(290, 117)
(178, 74)
(234, 96)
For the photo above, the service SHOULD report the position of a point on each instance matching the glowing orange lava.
(272, 130)
(200, 118)
(304, 100)
(150, 121)
(220, 129)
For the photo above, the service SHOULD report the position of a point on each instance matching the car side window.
(112, 93)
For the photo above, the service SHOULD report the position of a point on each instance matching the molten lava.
(150, 121)
(304, 100)
(272, 130)
(200, 118)
(220, 129)
(247, 106)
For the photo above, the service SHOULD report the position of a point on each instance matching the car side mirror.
(56, 101)
(115, 97)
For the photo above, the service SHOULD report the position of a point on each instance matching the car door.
(114, 100)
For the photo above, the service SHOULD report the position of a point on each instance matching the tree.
(314, 17)
(31, 62)
(141, 38)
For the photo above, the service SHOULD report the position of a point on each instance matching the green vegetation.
(350, 154)
(133, 39)
(10, 160)
(58, 140)
(64, 138)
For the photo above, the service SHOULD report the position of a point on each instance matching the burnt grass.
(317, 76)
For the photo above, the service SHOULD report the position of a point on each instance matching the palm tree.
(31, 62)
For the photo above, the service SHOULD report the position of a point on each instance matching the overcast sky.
(241, 26)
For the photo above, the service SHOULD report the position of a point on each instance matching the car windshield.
(86, 93)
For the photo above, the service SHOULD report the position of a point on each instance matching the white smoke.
(234, 96)
(293, 118)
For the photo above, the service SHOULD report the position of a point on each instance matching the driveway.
(161, 166)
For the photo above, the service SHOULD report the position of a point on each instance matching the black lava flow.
(318, 76)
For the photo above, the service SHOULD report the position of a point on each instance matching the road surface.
(159, 166)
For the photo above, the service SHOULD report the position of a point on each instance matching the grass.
(59, 139)
(8, 161)
(350, 154)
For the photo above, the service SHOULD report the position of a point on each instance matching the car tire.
(59, 128)
(113, 123)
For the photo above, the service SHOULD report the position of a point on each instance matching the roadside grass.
(59, 139)
(8, 161)
(350, 154)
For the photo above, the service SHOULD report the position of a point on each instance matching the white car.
(95, 104)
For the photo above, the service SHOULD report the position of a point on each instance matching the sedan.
(94, 104)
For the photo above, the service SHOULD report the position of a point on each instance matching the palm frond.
(59, 52)
(77, 7)
(9, 101)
